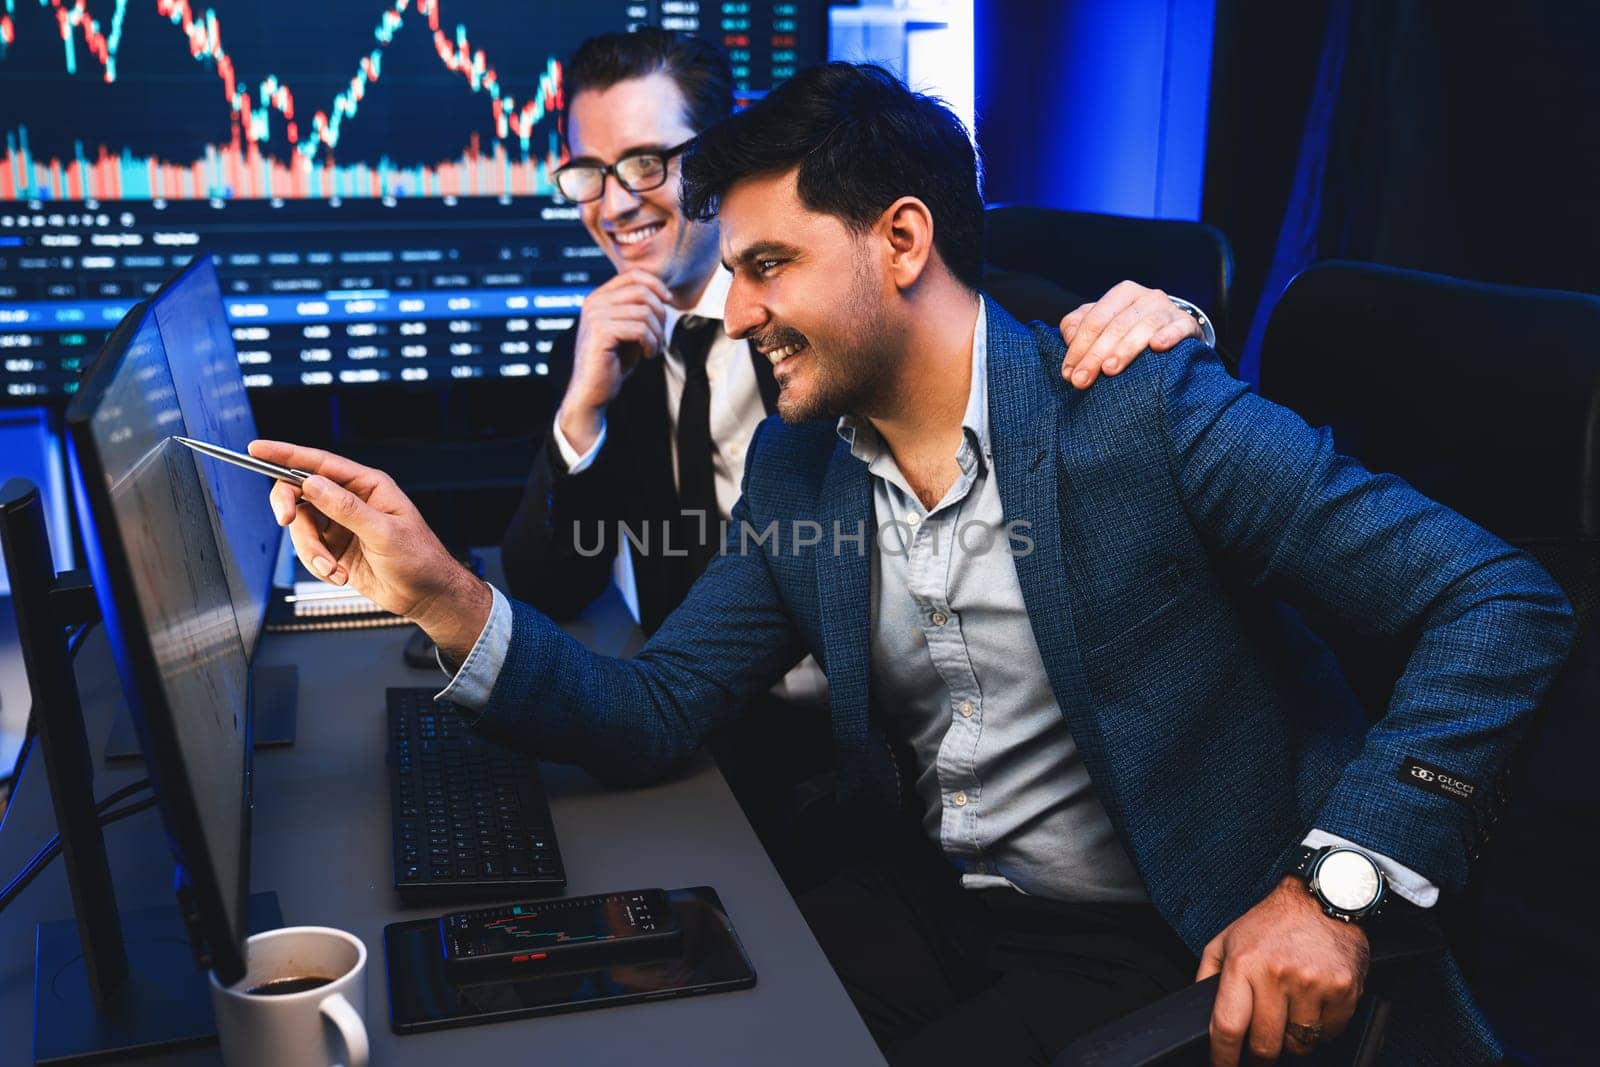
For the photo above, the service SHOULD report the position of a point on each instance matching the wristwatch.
(1346, 881)
(1208, 332)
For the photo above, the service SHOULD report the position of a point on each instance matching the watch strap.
(1300, 863)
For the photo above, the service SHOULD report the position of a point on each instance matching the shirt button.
(980, 867)
(960, 799)
(940, 618)
(966, 709)
(913, 518)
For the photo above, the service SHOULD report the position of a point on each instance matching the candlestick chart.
(168, 100)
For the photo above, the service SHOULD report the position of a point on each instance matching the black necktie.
(697, 483)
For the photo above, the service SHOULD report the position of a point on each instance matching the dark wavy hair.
(861, 140)
(699, 68)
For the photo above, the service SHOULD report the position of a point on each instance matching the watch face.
(1348, 880)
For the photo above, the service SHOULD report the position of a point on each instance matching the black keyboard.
(470, 815)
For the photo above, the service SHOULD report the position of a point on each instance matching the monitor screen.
(205, 373)
(373, 179)
(163, 586)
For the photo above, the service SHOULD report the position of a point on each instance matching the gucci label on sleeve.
(1436, 779)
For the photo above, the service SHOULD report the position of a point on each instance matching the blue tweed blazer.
(1170, 510)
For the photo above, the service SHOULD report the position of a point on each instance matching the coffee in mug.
(301, 1003)
(280, 986)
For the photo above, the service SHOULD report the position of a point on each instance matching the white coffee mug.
(312, 1027)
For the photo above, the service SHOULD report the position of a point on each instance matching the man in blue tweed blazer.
(1047, 619)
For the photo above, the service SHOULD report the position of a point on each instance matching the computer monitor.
(374, 180)
(162, 580)
(200, 354)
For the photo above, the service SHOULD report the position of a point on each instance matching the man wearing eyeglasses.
(658, 444)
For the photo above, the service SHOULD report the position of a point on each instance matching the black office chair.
(1028, 297)
(1086, 254)
(1486, 398)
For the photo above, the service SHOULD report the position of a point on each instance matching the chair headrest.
(1088, 253)
(1484, 397)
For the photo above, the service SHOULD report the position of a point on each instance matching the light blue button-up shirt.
(1004, 791)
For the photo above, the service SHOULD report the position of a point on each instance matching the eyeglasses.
(637, 172)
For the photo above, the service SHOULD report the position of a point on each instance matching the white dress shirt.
(736, 407)
(736, 411)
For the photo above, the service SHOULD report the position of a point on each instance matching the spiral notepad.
(313, 606)
(320, 598)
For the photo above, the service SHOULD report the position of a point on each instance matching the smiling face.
(812, 296)
(645, 229)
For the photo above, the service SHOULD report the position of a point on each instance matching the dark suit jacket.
(1169, 509)
(631, 481)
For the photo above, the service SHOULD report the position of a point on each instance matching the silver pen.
(248, 462)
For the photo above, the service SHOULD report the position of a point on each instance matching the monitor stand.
(164, 1003)
(105, 981)
(276, 692)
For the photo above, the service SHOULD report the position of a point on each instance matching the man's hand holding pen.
(361, 530)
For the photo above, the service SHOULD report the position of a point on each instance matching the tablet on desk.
(423, 995)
